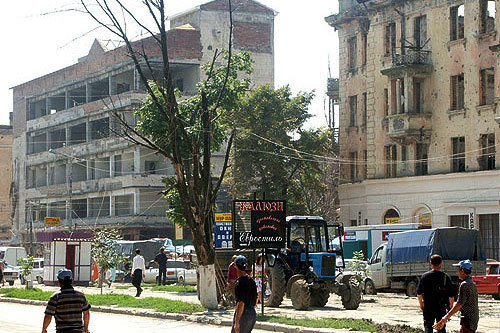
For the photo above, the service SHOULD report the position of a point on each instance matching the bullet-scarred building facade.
(419, 114)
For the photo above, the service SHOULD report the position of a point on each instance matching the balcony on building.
(332, 89)
(412, 127)
(412, 62)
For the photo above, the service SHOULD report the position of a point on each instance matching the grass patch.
(122, 301)
(123, 287)
(352, 324)
(175, 288)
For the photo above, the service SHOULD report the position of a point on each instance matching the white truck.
(398, 264)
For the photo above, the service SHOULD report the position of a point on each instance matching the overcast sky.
(35, 44)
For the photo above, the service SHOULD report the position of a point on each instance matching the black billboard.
(259, 224)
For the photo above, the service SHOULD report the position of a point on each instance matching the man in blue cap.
(467, 300)
(246, 299)
(67, 306)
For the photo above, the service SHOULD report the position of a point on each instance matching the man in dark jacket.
(435, 294)
(161, 261)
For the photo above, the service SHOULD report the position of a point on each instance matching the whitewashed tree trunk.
(208, 287)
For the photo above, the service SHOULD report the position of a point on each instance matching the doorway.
(70, 258)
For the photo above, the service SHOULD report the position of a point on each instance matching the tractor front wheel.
(277, 282)
(351, 296)
(319, 296)
(301, 297)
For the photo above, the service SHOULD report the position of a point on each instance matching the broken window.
(57, 138)
(487, 88)
(458, 150)
(353, 158)
(457, 92)
(79, 208)
(77, 96)
(124, 205)
(457, 22)
(390, 39)
(422, 151)
(418, 96)
(56, 103)
(364, 38)
(420, 31)
(386, 101)
(352, 52)
(353, 110)
(37, 109)
(487, 17)
(57, 209)
(99, 207)
(488, 151)
(77, 134)
(99, 128)
(365, 109)
(99, 90)
(118, 165)
(102, 167)
(179, 84)
(150, 167)
(79, 170)
(37, 142)
(365, 164)
(390, 161)
(124, 81)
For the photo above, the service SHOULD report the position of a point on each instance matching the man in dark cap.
(246, 298)
(467, 301)
(67, 306)
(161, 261)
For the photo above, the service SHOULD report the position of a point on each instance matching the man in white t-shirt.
(138, 271)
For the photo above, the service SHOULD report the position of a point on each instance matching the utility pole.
(31, 227)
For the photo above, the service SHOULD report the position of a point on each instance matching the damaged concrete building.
(69, 159)
(419, 114)
(5, 182)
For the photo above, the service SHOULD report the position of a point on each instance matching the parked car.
(174, 267)
(489, 284)
(37, 273)
(11, 274)
(187, 275)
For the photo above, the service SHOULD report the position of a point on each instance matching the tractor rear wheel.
(319, 296)
(301, 297)
(277, 282)
(351, 297)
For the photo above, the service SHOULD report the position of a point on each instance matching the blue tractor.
(307, 270)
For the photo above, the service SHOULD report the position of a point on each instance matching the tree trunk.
(206, 269)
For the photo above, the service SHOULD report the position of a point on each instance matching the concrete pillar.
(398, 96)
(47, 105)
(89, 213)
(88, 130)
(67, 100)
(137, 160)
(112, 85)
(408, 94)
(137, 202)
(111, 205)
(87, 92)
(112, 166)
(67, 136)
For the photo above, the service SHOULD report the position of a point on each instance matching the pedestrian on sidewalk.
(138, 271)
(161, 261)
(435, 293)
(231, 277)
(467, 301)
(2, 267)
(67, 306)
(260, 277)
(246, 299)
(126, 267)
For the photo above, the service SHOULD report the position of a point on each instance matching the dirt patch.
(387, 328)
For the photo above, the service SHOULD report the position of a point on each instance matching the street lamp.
(69, 207)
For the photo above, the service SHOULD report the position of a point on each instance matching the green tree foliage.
(104, 251)
(26, 268)
(274, 154)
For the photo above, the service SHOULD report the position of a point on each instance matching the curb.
(201, 317)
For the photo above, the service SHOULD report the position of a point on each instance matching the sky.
(42, 36)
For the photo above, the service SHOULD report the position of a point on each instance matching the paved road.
(16, 318)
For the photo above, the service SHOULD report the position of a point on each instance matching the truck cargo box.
(451, 243)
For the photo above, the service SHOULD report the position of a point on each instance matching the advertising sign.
(223, 217)
(425, 219)
(223, 234)
(392, 220)
(52, 221)
(350, 235)
(259, 224)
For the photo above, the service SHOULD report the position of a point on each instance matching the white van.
(11, 255)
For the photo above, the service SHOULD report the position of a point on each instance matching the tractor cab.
(309, 249)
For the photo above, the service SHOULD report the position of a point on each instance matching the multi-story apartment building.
(419, 114)
(5, 182)
(69, 161)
